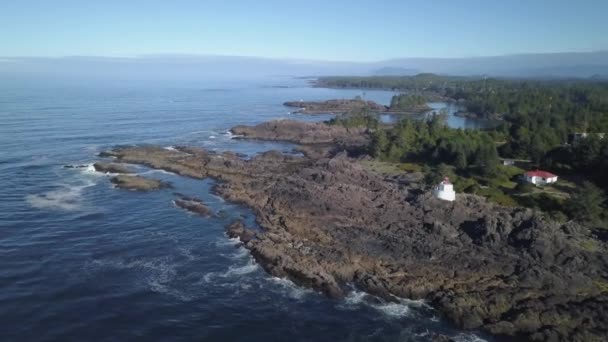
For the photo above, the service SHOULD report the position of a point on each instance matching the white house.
(445, 190)
(539, 177)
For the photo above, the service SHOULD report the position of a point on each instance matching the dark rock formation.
(82, 166)
(238, 230)
(329, 222)
(304, 133)
(111, 168)
(137, 183)
(193, 205)
(338, 106)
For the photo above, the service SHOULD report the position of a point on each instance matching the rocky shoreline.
(330, 223)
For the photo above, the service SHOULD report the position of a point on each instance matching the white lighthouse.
(445, 190)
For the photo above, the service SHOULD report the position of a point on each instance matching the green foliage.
(432, 141)
(524, 188)
(586, 204)
(541, 201)
(407, 103)
(538, 116)
(355, 118)
(497, 196)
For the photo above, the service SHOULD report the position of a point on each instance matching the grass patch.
(388, 168)
(590, 246)
(497, 196)
(602, 285)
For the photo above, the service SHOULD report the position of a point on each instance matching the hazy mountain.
(395, 71)
(579, 64)
(568, 64)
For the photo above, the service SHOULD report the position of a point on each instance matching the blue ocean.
(83, 261)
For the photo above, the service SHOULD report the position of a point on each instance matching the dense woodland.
(407, 103)
(537, 121)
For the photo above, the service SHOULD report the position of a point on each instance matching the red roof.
(539, 173)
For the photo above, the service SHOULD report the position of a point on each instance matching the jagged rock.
(193, 205)
(137, 183)
(111, 168)
(237, 230)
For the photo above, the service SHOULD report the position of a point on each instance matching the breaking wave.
(68, 198)
(401, 308)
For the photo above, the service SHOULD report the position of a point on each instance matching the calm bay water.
(84, 261)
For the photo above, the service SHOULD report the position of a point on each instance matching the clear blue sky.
(328, 30)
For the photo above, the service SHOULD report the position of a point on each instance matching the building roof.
(540, 173)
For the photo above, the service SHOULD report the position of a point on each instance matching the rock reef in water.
(111, 168)
(306, 133)
(138, 183)
(330, 221)
(339, 106)
(193, 205)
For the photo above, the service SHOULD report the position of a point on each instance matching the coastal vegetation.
(408, 103)
(538, 122)
(470, 158)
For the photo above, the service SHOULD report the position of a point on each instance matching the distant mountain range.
(567, 64)
(543, 65)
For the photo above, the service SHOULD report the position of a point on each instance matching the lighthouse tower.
(445, 190)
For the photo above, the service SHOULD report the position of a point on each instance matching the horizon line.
(290, 59)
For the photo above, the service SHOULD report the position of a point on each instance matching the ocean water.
(83, 261)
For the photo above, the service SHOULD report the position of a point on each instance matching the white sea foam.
(467, 338)
(156, 171)
(228, 242)
(230, 135)
(239, 254)
(355, 298)
(290, 288)
(393, 309)
(232, 271)
(157, 274)
(68, 197)
(170, 148)
(218, 198)
(187, 253)
(212, 137)
(240, 270)
(401, 308)
(164, 289)
(90, 169)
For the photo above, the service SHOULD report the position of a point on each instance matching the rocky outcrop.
(138, 183)
(338, 106)
(193, 205)
(330, 222)
(237, 230)
(306, 133)
(111, 168)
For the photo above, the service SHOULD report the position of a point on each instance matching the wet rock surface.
(328, 222)
(111, 168)
(137, 183)
(193, 205)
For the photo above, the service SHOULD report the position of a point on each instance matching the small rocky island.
(329, 222)
(137, 183)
